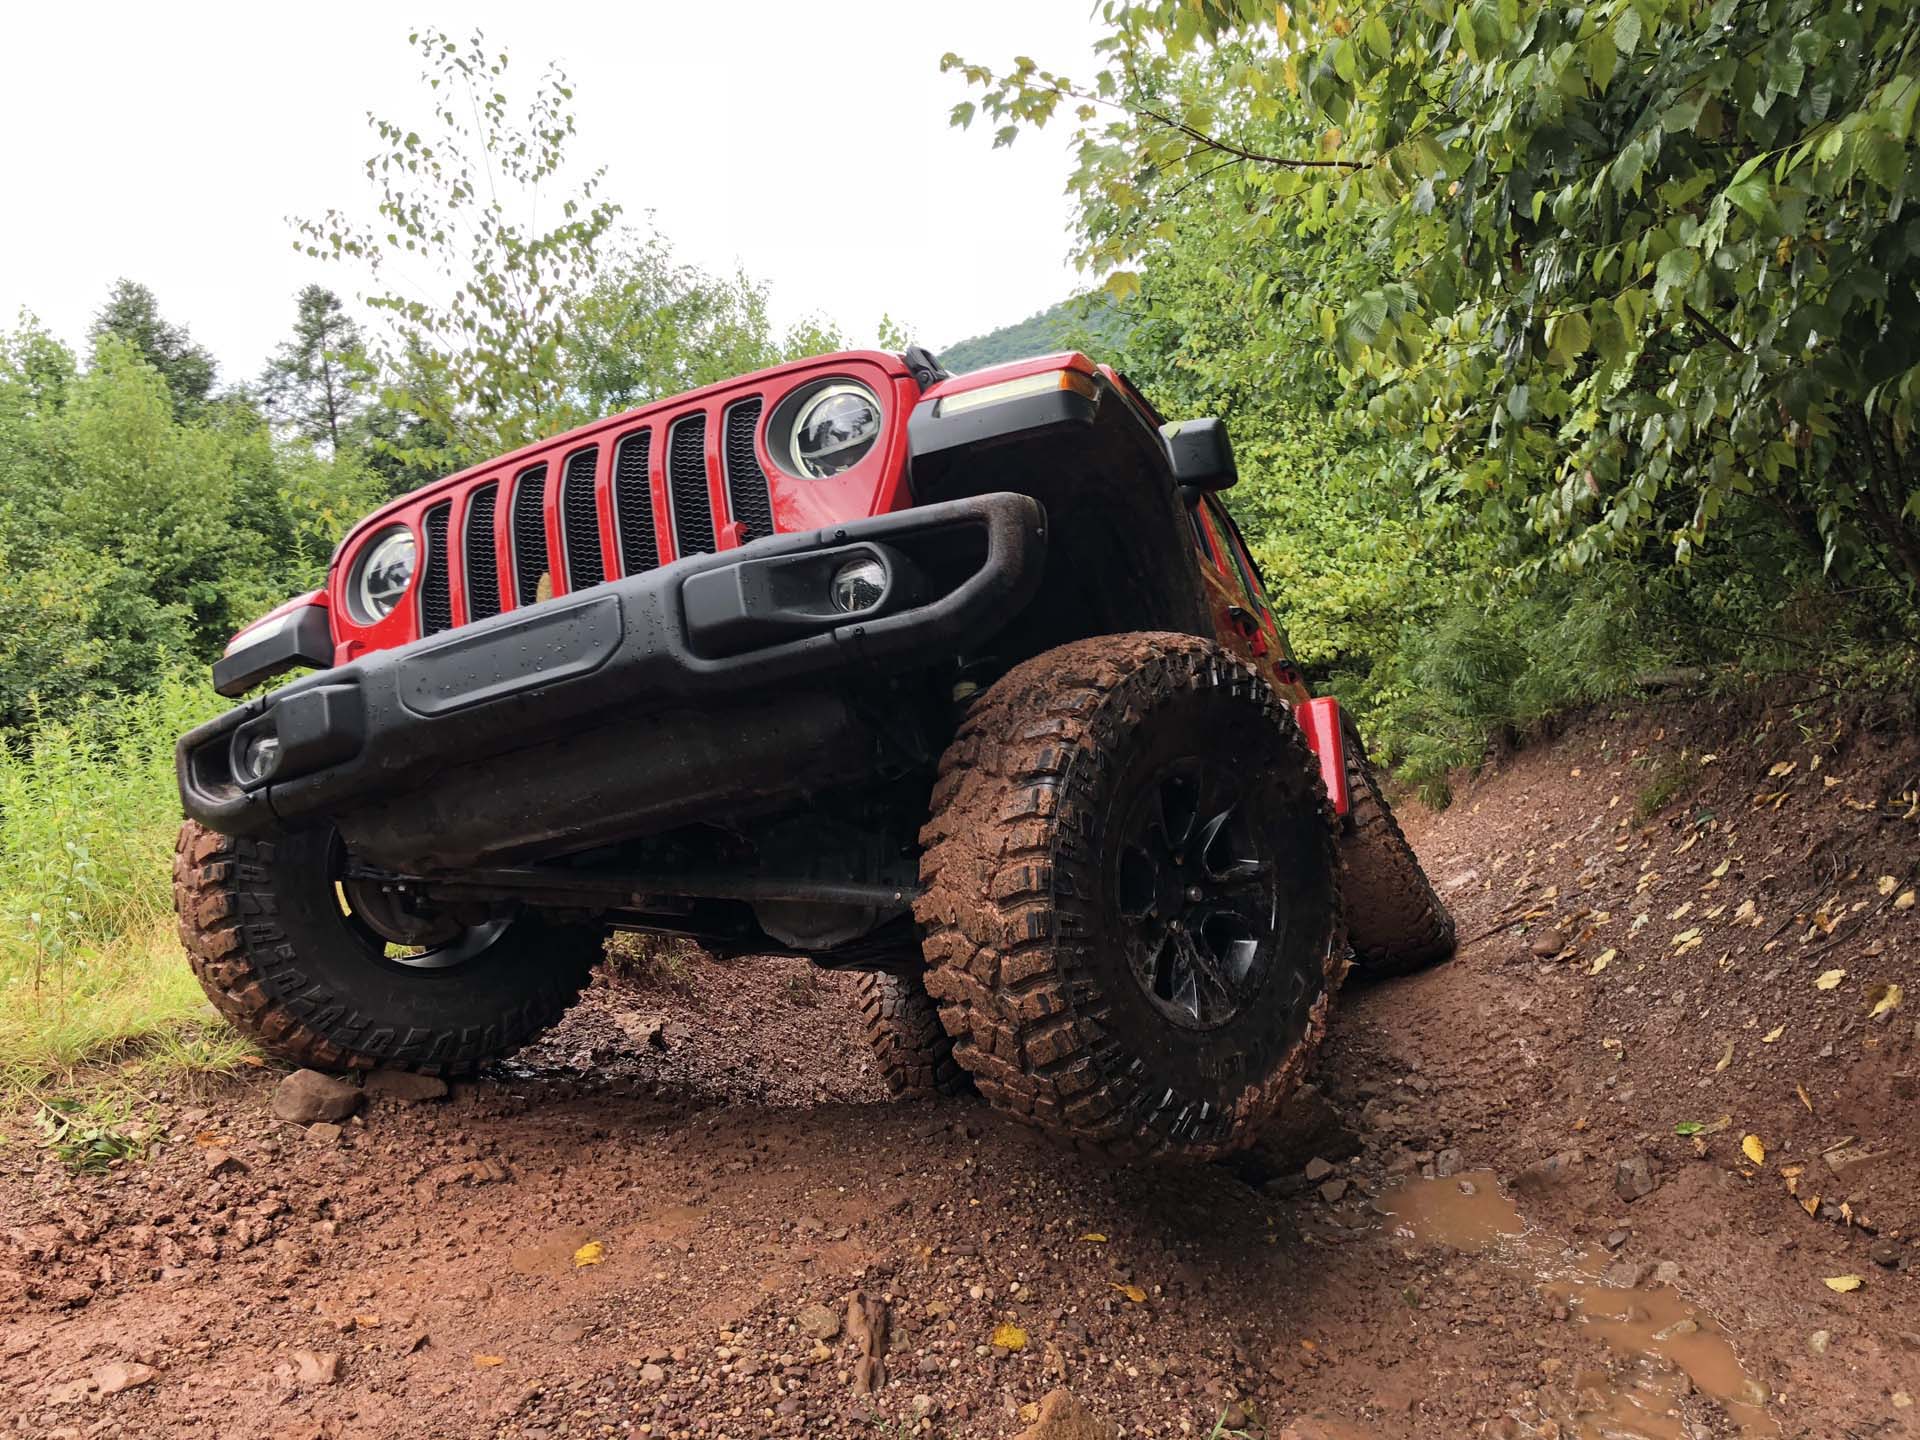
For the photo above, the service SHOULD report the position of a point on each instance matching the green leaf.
(1626, 31)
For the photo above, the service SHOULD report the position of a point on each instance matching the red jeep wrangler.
(968, 683)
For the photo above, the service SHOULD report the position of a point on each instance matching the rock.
(316, 1369)
(220, 1162)
(404, 1087)
(651, 1374)
(1818, 1342)
(1333, 1192)
(1633, 1177)
(818, 1322)
(1548, 1174)
(121, 1375)
(567, 1333)
(1063, 1417)
(1850, 1163)
(1885, 1252)
(1548, 943)
(1625, 1274)
(923, 1407)
(1448, 1162)
(1666, 1273)
(1616, 1238)
(306, 1096)
(324, 1133)
(1317, 1170)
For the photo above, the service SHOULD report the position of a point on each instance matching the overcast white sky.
(807, 142)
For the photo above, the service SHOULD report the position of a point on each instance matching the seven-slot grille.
(515, 508)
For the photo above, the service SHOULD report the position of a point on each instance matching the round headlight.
(834, 430)
(260, 754)
(383, 574)
(858, 585)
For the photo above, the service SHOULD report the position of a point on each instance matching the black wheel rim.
(1198, 894)
(454, 948)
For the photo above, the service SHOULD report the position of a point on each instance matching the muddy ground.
(1521, 1200)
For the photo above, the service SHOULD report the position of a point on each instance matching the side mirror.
(1199, 453)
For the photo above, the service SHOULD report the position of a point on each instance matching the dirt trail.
(1481, 1222)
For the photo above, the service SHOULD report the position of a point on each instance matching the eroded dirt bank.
(1486, 1223)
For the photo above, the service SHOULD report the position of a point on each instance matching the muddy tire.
(1130, 900)
(281, 957)
(1395, 920)
(903, 1028)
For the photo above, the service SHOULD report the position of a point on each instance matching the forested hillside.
(1093, 323)
(1561, 344)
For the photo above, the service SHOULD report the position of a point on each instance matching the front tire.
(1130, 898)
(283, 957)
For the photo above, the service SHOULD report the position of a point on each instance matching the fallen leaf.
(1689, 1127)
(1754, 1150)
(1708, 759)
(1905, 902)
(366, 1322)
(1726, 1058)
(1886, 1000)
(1601, 961)
(487, 1362)
(1132, 1292)
(1685, 935)
(1773, 1034)
(1029, 1412)
(254, 1061)
(1829, 979)
(1009, 1336)
(1722, 868)
(1801, 1091)
(1094, 1237)
(1844, 1284)
(1886, 884)
(591, 1253)
(1784, 767)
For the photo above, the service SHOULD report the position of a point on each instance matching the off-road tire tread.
(998, 934)
(1396, 921)
(245, 962)
(903, 1028)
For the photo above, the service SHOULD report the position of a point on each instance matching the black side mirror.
(1200, 453)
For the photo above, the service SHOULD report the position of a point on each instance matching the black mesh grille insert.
(747, 489)
(483, 567)
(633, 504)
(580, 519)
(687, 484)
(530, 535)
(436, 595)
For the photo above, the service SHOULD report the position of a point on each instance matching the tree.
(650, 326)
(1649, 271)
(132, 316)
(473, 259)
(318, 380)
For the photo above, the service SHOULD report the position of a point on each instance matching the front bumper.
(745, 623)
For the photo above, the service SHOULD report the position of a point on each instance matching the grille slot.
(687, 484)
(633, 504)
(580, 519)
(747, 492)
(530, 535)
(436, 594)
(483, 567)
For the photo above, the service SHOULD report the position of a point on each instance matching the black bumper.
(748, 624)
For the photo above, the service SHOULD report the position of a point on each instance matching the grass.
(90, 966)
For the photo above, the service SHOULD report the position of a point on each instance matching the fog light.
(858, 585)
(259, 755)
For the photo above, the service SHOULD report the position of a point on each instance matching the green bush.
(88, 811)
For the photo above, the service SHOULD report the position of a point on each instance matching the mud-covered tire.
(1038, 912)
(1396, 922)
(266, 934)
(914, 1051)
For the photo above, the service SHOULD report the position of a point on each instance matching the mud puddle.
(1671, 1346)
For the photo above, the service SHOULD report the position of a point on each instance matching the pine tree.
(318, 381)
(132, 315)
